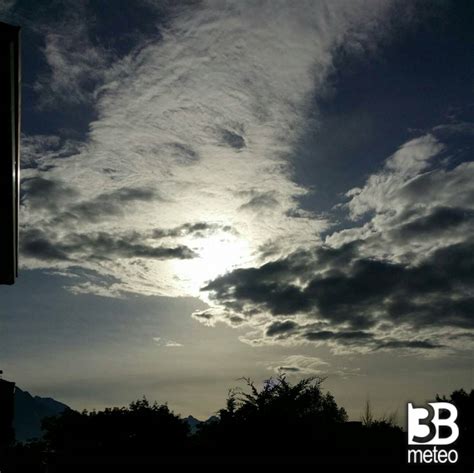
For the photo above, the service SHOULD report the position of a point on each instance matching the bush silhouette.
(280, 416)
(464, 403)
(139, 429)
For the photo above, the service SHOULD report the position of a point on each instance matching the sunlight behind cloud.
(218, 254)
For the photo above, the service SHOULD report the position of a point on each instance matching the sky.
(218, 189)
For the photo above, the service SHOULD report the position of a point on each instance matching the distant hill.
(29, 412)
(194, 423)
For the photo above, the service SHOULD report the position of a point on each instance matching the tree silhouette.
(464, 403)
(280, 399)
(277, 422)
(139, 429)
(279, 416)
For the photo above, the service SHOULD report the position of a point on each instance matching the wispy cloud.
(167, 343)
(380, 189)
(204, 117)
(76, 66)
(39, 151)
(184, 184)
(301, 365)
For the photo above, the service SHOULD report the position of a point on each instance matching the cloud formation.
(301, 365)
(293, 164)
(76, 66)
(79, 247)
(167, 343)
(193, 127)
(184, 184)
(400, 279)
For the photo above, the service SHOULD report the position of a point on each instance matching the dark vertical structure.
(9, 150)
(7, 392)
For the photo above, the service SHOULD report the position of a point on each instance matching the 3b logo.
(424, 424)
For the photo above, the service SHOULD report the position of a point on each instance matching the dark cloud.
(268, 286)
(198, 229)
(268, 250)
(204, 316)
(36, 244)
(279, 286)
(129, 194)
(62, 200)
(440, 221)
(101, 245)
(339, 286)
(341, 257)
(423, 344)
(41, 193)
(463, 335)
(263, 200)
(236, 320)
(279, 328)
(104, 245)
(445, 310)
(106, 204)
(233, 139)
(183, 154)
(346, 336)
(368, 340)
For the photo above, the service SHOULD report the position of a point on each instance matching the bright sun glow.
(218, 254)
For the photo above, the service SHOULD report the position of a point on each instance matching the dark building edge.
(10, 145)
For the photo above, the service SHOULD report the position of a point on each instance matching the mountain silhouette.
(195, 423)
(30, 411)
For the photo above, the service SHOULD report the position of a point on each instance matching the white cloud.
(205, 117)
(301, 365)
(382, 188)
(419, 202)
(166, 343)
(38, 151)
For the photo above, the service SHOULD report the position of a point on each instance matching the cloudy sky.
(217, 189)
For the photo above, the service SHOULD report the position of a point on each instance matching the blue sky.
(213, 190)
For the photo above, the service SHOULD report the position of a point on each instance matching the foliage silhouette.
(464, 403)
(369, 420)
(280, 422)
(139, 429)
(280, 416)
